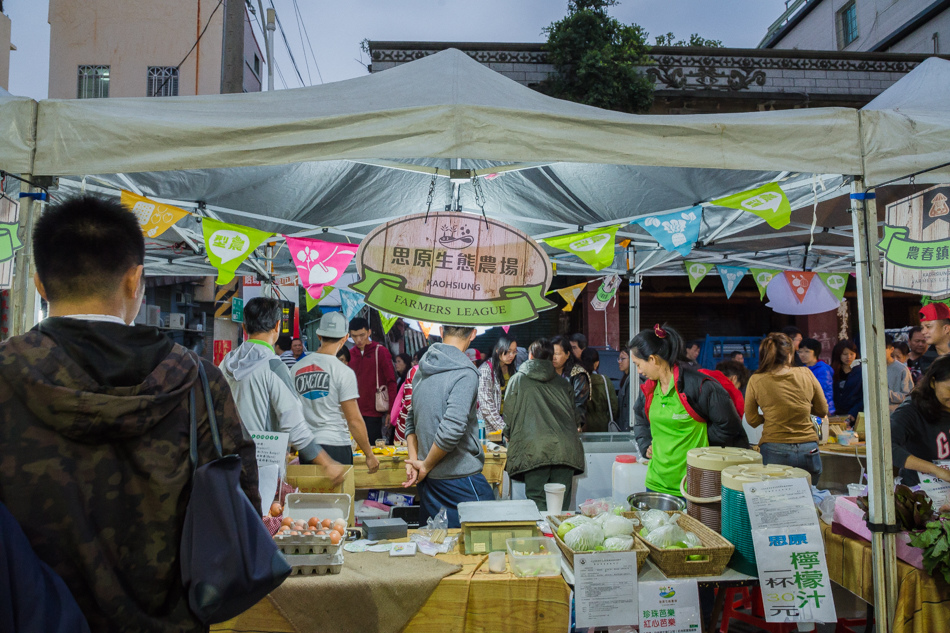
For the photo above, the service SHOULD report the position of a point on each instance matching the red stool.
(756, 618)
(844, 625)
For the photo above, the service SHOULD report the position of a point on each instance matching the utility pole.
(271, 29)
(232, 51)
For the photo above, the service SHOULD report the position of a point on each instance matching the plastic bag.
(593, 507)
(434, 538)
(621, 543)
(584, 538)
(617, 526)
(570, 523)
(692, 540)
(668, 535)
(652, 519)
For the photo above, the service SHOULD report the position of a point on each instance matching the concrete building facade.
(876, 26)
(5, 47)
(116, 48)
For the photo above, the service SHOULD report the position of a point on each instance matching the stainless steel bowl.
(656, 501)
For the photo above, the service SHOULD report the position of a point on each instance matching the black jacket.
(580, 383)
(913, 434)
(708, 399)
(623, 410)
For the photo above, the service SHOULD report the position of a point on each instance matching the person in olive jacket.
(541, 427)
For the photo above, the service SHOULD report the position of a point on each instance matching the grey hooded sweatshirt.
(265, 397)
(443, 411)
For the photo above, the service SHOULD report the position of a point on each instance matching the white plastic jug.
(627, 477)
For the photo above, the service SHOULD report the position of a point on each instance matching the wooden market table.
(470, 601)
(923, 602)
(392, 472)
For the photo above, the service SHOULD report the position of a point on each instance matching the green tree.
(694, 40)
(597, 59)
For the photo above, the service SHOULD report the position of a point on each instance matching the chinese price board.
(605, 589)
(454, 269)
(789, 552)
(670, 606)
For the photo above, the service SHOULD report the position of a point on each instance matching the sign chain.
(479, 196)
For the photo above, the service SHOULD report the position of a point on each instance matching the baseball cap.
(333, 325)
(934, 312)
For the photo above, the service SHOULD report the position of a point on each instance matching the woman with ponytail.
(788, 397)
(679, 408)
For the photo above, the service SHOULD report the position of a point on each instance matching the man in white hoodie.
(262, 387)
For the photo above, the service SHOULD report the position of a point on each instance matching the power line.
(309, 44)
(300, 35)
(193, 46)
(283, 35)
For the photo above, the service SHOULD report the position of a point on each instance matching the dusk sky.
(336, 29)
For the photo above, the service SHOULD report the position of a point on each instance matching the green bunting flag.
(228, 245)
(768, 202)
(762, 277)
(836, 283)
(9, 242)
(594, 247)
(311, 302)
(696, 271)
(388, 321)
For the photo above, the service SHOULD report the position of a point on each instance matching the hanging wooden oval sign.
(455, 269)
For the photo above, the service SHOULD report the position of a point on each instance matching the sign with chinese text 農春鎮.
(916, 243)
(670, 606)
(789, 552)
(455, 269)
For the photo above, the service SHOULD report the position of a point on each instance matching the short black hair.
(580, 339)
(888, 340)
(458, 331)
(737, 369)
(261, 314)
(84, 245)
(542, 349)
(914, 330)
(693, 344)
(297, 338)
(325, 339)
(283, 342)
(791, 331)
(812, 344)
(345, 353)
(359, 323)
(732, 356)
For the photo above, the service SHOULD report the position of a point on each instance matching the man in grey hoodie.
(445, 456)
(263, 389)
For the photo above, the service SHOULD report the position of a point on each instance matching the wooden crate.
(674, 563)
(638, 546)
(392, 471)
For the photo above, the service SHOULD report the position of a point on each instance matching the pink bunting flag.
(506, 328)
(319, 263)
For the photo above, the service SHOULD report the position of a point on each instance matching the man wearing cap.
(329, 393)
(935, 323)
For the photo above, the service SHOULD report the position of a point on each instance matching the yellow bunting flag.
(570, 294)
(154, 217)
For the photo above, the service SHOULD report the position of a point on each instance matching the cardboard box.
(313, 478)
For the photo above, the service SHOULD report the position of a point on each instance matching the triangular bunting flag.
(768, 202)
(351, 303)
(319, 263)
(696, 271)
(506, 328)
(570, 294)
(388, 321)
(426, 327)
(606, 293)
(312, 303)
(594, 247)
(731, 276)
(154, 217)
(836, 283)
(9, 241)
(799, 282)
(228, 245)
(675, 232)
(762, 278)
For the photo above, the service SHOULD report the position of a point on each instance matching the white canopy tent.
(337, 160)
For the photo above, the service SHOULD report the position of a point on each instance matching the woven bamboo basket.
(673, 562)
(638, 546)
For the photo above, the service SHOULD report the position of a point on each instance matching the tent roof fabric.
(906, 129)
(443, 106)
(16, 133)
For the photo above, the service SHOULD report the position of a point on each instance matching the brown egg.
(314, 522)
(335, 537)
(327, 523)
(340, 525)
(286, 522)
(276, 510)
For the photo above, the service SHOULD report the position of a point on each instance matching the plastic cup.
(555, 497)
(855, 490)
(496, 562)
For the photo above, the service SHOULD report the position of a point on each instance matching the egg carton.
(315, 564)
(312, 545)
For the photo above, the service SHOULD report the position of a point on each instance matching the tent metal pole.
(877, 422)
(24, 289)
(634, 279)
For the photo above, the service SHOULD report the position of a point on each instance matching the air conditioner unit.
(176, 320)
(183, 298)
(153, 315)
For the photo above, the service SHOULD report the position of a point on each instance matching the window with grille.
(93, 82)
(847, 24)
(162, 81)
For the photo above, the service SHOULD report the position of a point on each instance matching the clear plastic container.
(627, 477)
(534, 557)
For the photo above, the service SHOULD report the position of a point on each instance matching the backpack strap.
(682, 394)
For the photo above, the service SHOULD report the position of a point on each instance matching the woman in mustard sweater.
(788, 397)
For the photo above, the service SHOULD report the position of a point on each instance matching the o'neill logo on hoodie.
(312, 382)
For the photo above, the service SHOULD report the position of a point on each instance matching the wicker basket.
(638, 546)
(674, 563)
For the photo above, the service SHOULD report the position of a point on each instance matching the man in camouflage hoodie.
(94, 426)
